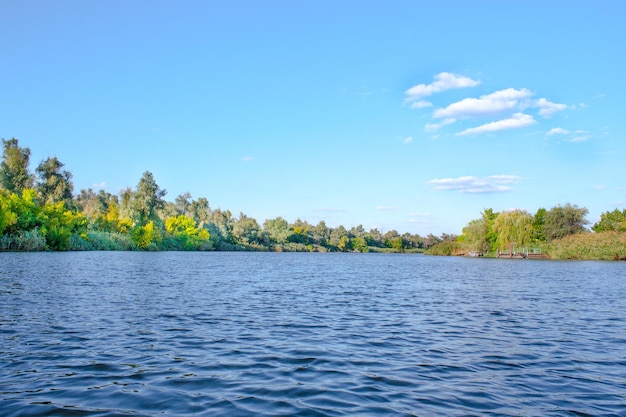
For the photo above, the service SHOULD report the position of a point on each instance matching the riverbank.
(604, 246)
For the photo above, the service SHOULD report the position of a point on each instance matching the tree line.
(560, 232)
(40, 211)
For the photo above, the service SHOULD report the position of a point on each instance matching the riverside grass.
(603, 246)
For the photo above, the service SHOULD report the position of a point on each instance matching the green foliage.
(25, 240)
(23, 210)
(184, 230)
(14, 175)
(514, 228)
(611, 221)
(146, 200)
(101, 240)
(609, 246)
(479, 235)
(54, 185)
(561, 221)
(539, 221)
(58, 224)
(147, 236)
(444, 248)
(359, 244)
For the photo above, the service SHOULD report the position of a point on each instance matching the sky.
(406, 115)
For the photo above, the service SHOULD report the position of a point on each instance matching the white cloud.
(99, 185)
(516, 121)
(408, 140)
(547, 108)
(580, 138)
(443, 81)
(558, 131)
(476, 185)
(486, 105)
(385, 208)
(431, 127)
(421, 104)
(247, 158)
(575, 136)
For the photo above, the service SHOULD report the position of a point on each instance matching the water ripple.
(145, 334)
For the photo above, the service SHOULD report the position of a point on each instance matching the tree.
(539, 224)
(561, 221)
(278, 229)
(611, 221)
(183, 229)
(514, 228)
(146, 200)
(321, 233)
(54, 185)
(479, 234)
(14, 175)
(200, 211)
(246, 230)
(101, 209)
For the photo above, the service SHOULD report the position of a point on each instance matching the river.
(309, 334)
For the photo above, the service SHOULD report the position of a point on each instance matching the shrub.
(606, 246)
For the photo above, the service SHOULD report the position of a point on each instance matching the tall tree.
(611, 221)
(55, 184)
(479, 233)
(514, 228)
(146, 200)
(14, 175)
(561, 221)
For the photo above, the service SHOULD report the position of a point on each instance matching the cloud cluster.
(476, 185)
(570, 136)
(443, 81)
(507, 109)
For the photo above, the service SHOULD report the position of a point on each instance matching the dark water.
(240, 334)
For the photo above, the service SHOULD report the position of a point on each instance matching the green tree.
(321, 233)
(7, 216)
(183, 228)
(561, 221)
(27, 214)
(200, 211)
(54, 185)
(539, 224)
(146, 236)
(14, 174)
(479, 234)
(101, 209)
(611, 221)
(146, 200)
(514, 228)
(247, 231)
(58, 224)
(278, 229)
(359, 244)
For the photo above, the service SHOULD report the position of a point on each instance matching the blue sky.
(406, 115)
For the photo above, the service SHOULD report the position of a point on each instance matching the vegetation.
(558, 233)
(40, 212)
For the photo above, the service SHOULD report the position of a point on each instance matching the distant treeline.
(559, 232)
(40, 211)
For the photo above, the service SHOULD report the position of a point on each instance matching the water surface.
(292, 334)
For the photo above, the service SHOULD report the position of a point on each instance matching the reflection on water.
(105, 333)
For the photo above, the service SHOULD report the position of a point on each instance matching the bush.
(110, 241)
(445, 248)
(606, 246)
(31, 240)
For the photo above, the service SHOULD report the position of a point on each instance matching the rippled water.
(236, 334)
